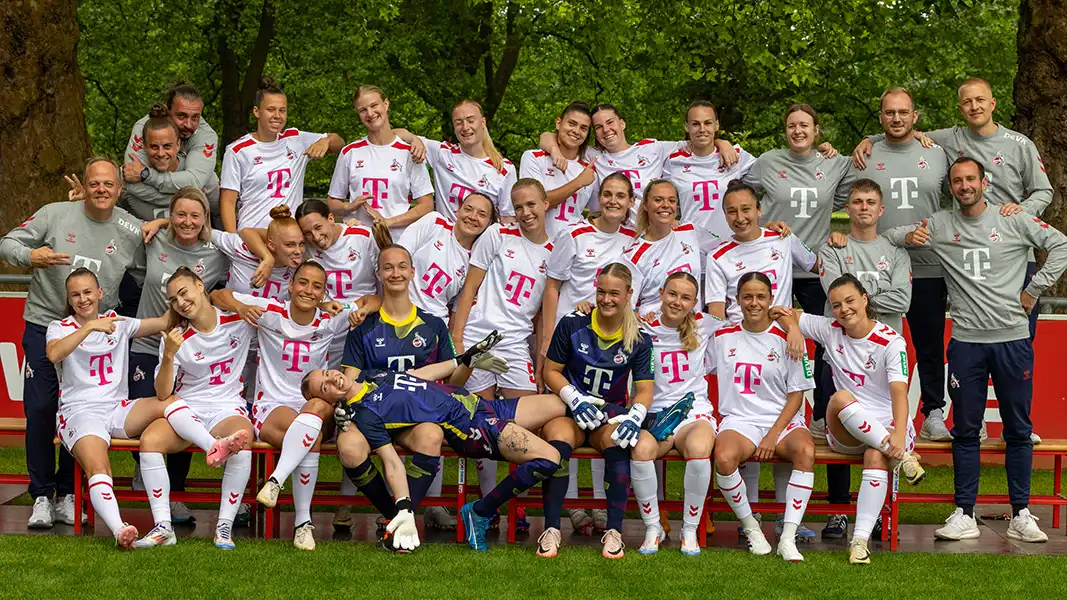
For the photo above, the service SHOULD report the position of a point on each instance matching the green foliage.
(649, 57)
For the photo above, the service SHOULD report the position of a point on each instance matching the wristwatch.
(144, 174)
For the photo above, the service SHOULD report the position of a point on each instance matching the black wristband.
(403, 504)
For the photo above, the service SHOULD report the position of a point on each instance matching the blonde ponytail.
(631, 329)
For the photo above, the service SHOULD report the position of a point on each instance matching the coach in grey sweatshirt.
(984, 252)
(60, 237)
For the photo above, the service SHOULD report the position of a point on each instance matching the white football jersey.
(457, 174)
(578, 255)
(755, 375)
(207, 367)
(387, 173)
(243, 265)
(94, 374)
(770, 254)
(440, 263)
(640, 163)
(351, 264)
(865, 367)
(510, 294)
(537, 164)
(266, 174)
(679, 372)
(701, 183)
(651, 262)
(288, 351)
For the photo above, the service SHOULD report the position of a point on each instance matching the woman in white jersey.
(199, 373)
(569, 190)
(761, 394)
(376, 174)
(471, 165)
(681, 416)
(507, 278)
(294, 337)
(868, 414)
(265, 168)
(91, 351)
(701, 173)
(577, 257)
(440, 250)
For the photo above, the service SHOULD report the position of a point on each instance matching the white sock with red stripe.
(486, 475)
(298, 441)
(796, 502)
(598, 469)
(438, 480)
(304, 478)
(733, 488)
(697, 480)
(862, 425)
(869, 503)
(102, 496)
(643, 480)
(187, 426)
(234, 480)
(750, 473)
(157, 486)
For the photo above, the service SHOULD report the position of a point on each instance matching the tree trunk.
(239, 88)
(42, 119)
(1040, 90)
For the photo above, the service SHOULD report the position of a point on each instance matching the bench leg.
(1057, 486)
(461, 497)
(513, 513)
(78, 497)
(702, 528)
(270, 514)
(894, 515)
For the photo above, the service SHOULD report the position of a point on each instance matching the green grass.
(62, 567)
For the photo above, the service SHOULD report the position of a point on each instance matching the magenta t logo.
(748, 375)
(298, 355)
(772, 274)
(567, 208)
(685, 267)
(433, 275)
(702, 193)
(218, 370)
(270, 290)
(857, 378)
(379, 187)
(675, 362)
(100, 367)
(457, 193)
(517, 282)
(335, 280)
(277, 181)
(634, 176)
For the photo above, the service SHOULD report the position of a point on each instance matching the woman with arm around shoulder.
(868, 414)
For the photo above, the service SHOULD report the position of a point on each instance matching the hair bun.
(158, 110)
(280, 212)
(735, 184)
(267, 83)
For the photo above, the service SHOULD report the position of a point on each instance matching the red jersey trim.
(242, 145)
(188, 333)
(725, 330)
(683, 153)
(539, 154)
(645, 142)
(685, 227)
(508, 231)
(229, 318)
(877, 339)
(400, 145)
(769, 234)
(353, 146)
(628, 232)
(278, 309)
(580, 230)
(776, 330)
(443, 223)
(356, 230)
(640, 252)
(288, 133)
(723, 249)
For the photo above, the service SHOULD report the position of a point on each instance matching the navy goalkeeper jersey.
(596, 364)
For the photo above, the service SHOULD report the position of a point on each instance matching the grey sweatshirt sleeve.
(896, 299)
(15, 247)
(199, 163)
(753, 177)
(830, 267)
(896, 235)
(1044, 237)
(1036, 183)
(841, 194)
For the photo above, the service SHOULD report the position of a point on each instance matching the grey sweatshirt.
(105, 247)
(802, 191)
(985, 262)
(912, 179)
(155, 264)
(147, 203)
(884, 269)
(199, 154)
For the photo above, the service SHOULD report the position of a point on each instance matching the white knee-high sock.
(697, 480)
(234, 480)
(437, 483)
(733, 489)
(298, 441)
(750, 473)
(796, 501)
(862, 425)
(157, 486)
(643, 480)
(597, 467)
(869, 502)
(572, 479)
(782, 473)
(102, 496)
(187, 426)
(347, 487)
(304, 478)
(486, 475)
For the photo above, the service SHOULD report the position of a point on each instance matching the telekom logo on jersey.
(100, 367)
(379, 190)
(798, 198)
(748, 375)
(457, 193)
(218, 370)
(297, 355)
(675, 362)
(433, 275)
(337, 286)
(905, 189)
(702, 193)
(597, 378)
(278, 181)
(517, 282)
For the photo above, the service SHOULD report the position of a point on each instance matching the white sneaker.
(690, 545)
(757, 542)
(958, 526)
(126, 536)
(653, 536)
(160, 535)
(818, 429)
(63, 511)
(858, 554)
(41, 518)
(268, 496)
(934, 428)
(613, 546)
(787, 549)
(438, 517)
(224, 536)
(910, 468)
(549, 542)
(137, 484)
(303, 537)
(180, 513)
(1034, 438)
(1024, 528)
